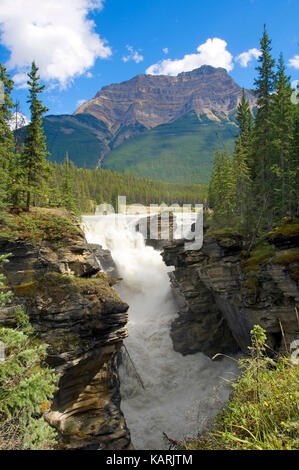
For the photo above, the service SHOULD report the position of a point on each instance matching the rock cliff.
(146, 101)
(222, 293)
(74, 309)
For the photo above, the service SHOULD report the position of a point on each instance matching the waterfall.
(180, 392)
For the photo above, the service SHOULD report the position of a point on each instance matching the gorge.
(170, 393)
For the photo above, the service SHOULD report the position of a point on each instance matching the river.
(180, 393)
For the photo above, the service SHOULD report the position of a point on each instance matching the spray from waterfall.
(178, 393)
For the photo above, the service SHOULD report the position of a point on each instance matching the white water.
(181, 392)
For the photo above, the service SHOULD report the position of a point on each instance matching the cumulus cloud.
(294, 62)
(165, 50)
(133, 55)
(246, 57)
(57, 34)
(212, 52)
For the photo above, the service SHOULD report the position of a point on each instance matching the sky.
(82, 45)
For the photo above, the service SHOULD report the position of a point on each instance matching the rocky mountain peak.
(151, 100)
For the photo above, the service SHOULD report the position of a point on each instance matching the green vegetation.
(26, 385)
(180, 151)
(32, 162)
(262, 413)
(82, 136)
(37, 225)
(257, 186)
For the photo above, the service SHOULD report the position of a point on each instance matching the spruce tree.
(33, 158)
(6, 139)
(242, 155)
(68, 198)
(283, 119)
(263, 134)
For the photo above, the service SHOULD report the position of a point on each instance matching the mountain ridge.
(121, 128)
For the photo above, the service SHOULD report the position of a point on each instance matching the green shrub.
(263, 411)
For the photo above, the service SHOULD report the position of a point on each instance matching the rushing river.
(180, 392)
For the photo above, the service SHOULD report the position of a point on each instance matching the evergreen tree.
(222, 191)
(67, 190)
(283, 119)
(242, 155)
(263, 135)
(6, 139)
(33, 157)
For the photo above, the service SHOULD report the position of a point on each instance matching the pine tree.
(263, 135)
(293, 193)
(242, 155)
(33, 158)
(68, 198)
(6, 139)
(222, 190)
(283, 119)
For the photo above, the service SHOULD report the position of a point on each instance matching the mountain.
(17, 120)
(157, 126)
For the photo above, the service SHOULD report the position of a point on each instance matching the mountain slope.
(181, 151)
(156, 126)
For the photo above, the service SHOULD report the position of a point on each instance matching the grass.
(263, 412)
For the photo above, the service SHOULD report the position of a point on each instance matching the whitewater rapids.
(180, 392)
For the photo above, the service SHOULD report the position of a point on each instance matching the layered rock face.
(84, 322)
(221, 294)
(147, 101)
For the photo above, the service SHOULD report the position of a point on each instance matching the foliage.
(33, 156)
(37, 225)
(26, 384)
(262, 413)
(258, 186)
(180, 151)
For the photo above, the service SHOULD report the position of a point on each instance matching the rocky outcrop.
(146, 101)
(84, 322)
(221, 291)
(105, 259)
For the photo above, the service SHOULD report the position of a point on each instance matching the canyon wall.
(223, 293)
(84, 322)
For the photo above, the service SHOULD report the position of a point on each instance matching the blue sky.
(83, 45)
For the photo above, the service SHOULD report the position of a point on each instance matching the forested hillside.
(180, 151)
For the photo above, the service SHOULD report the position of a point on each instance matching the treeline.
(27, 178)
(82, 189)
(257, 185)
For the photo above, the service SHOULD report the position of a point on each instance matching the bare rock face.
(200, 325)
(84, 322)
(147, 101)
(218, 283)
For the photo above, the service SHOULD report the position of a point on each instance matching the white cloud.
(246, 57)
(165, 50)
(212, 52)
(133, 55)
(57, 34)
(294, 62)
(80, 102)
(89, 75)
